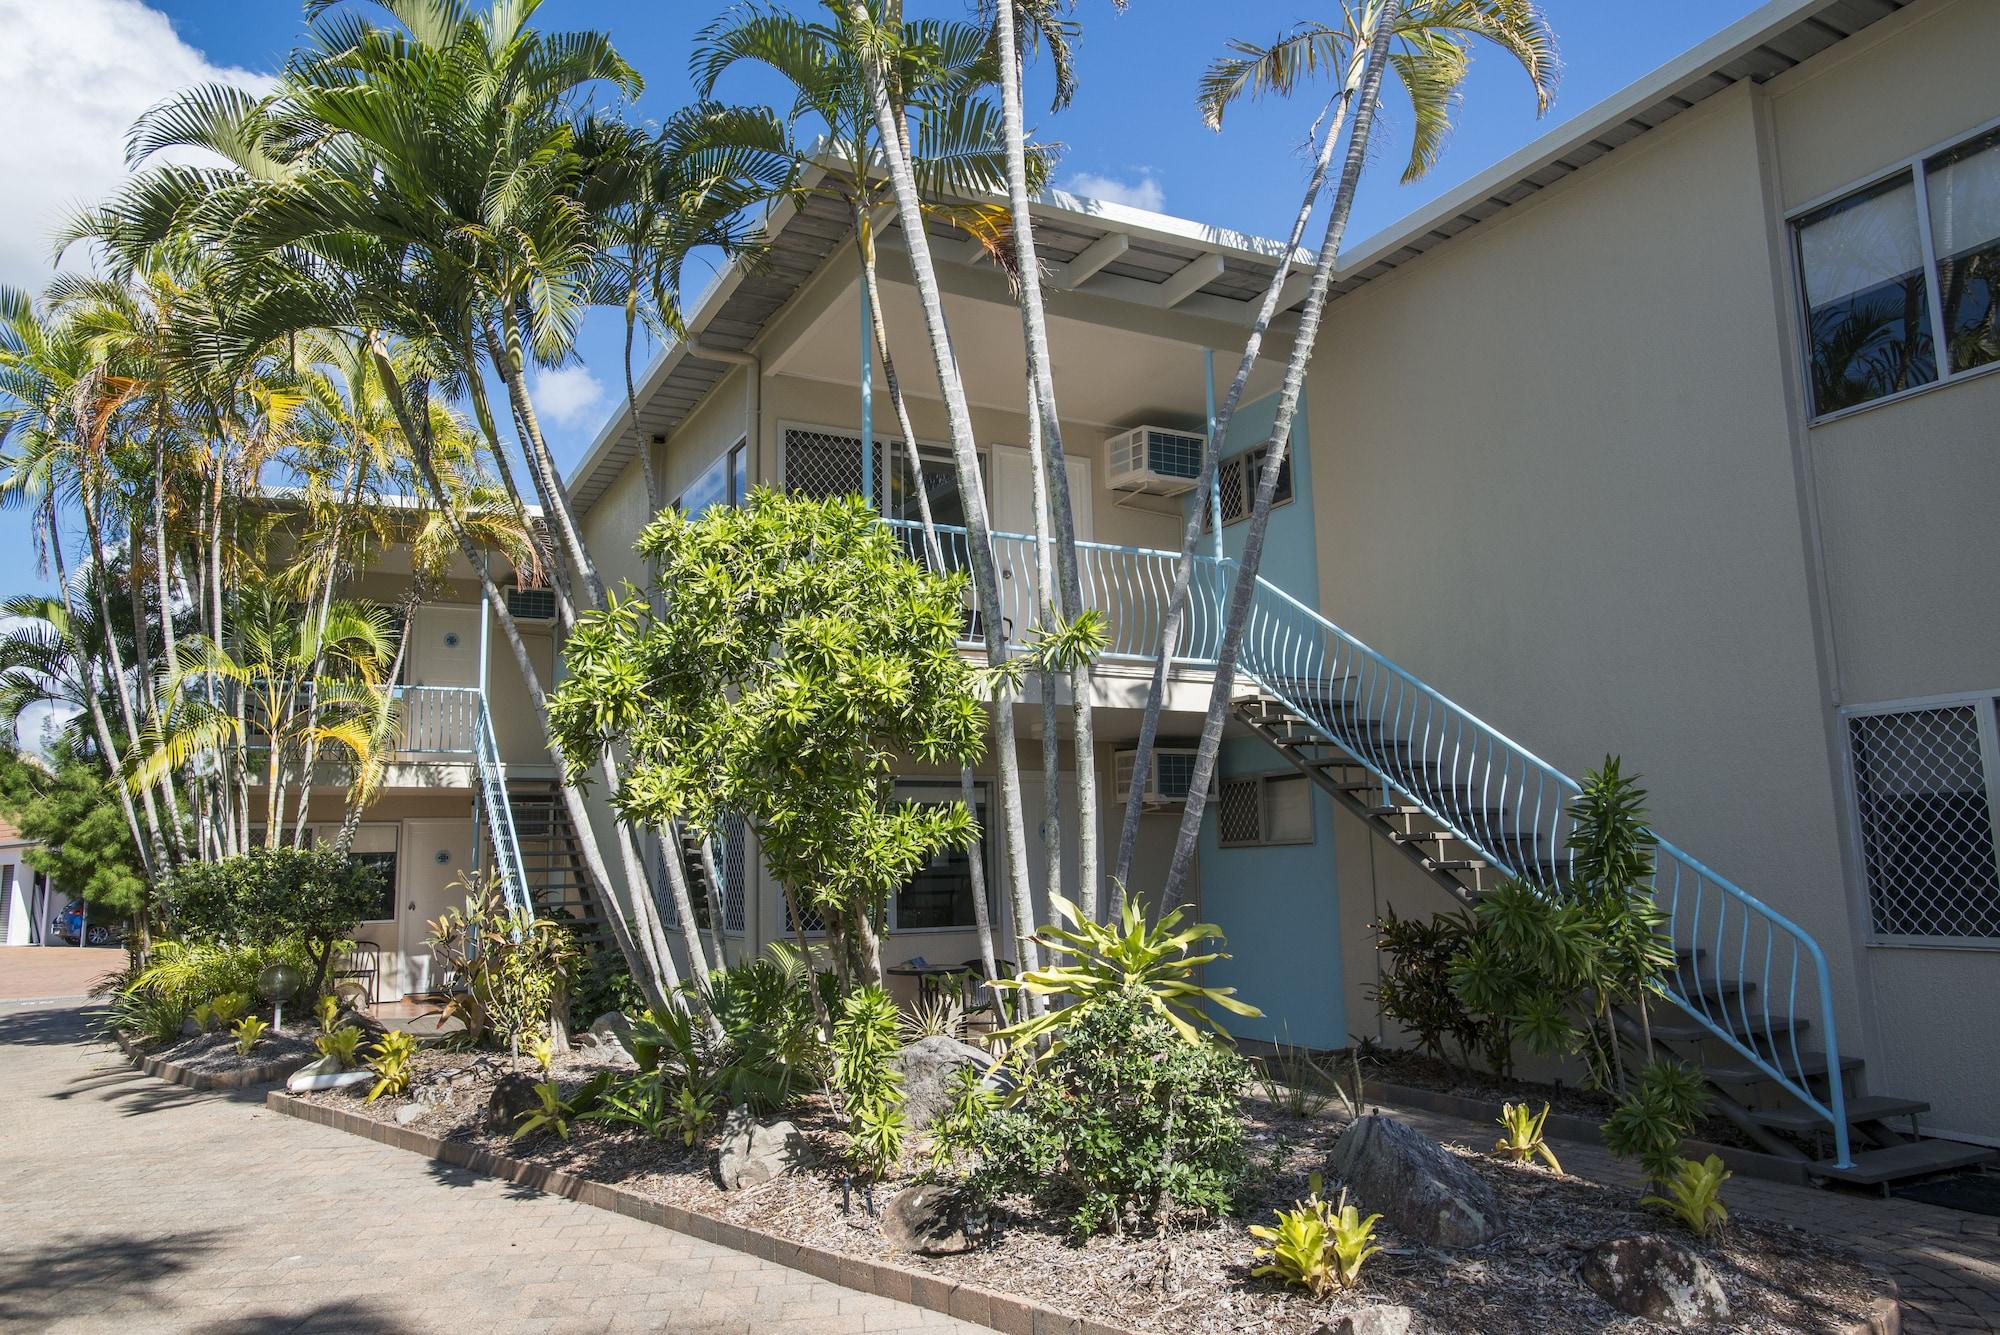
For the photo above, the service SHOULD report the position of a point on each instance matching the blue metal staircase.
(1470, 807)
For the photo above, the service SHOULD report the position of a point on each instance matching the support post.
(1215, 489)
(867, 396)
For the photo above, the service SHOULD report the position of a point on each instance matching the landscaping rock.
(752, 1153)
(1420, 1187)
(409, 1113)
(933, 1220)
(609, 1030)
(929, 1067)
(511, 1097)
(191, 1027)
(1387, 1319)
(323, 1073)
(1656, 1278)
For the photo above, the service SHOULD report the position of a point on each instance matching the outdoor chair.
(363, 965)
(975, 998)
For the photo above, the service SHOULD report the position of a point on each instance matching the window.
(1263, 809)
(726, 481)
(384, 867)
(1924, 818)
(1236, 480)
(1899, 269)
(939, 895)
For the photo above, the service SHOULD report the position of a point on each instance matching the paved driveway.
(127, 1204)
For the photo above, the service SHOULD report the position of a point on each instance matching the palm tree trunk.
(1244, 586)
(965, 456)
(713, 888)
(100, 578)
(1056, 473)
(169, 643)
(1177, 597)
(1045, 601)
(981, 915)
(357, 474)
(651, 969)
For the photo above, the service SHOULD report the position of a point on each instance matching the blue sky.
(1131, 134)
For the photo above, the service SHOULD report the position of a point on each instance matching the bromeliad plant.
(559, 1114)
(229, 1008)
(340, 1044)
(1317, 1246)
(250, 1030)
(1523, 1139)
(1131, 957)
(394, 1063)
(1694, 1195)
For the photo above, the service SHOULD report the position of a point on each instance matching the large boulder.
(934, 1220)
(1656, 1278)
(930, 1067)
(752, 1153)
(1425, 1191)
(513, 1096)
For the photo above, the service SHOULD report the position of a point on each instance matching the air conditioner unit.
(531, 604)
(1154, 460)
(1168, 783)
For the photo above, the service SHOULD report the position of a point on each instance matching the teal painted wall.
(1278, 905)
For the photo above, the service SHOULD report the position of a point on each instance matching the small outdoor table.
(932, 979)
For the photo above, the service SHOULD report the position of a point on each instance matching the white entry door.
(1014, 512)
(433, 855)
(444, 646)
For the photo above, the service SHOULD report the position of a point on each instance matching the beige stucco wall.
(1903, 498)
(1554, 477)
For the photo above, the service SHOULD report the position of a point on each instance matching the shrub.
(150, 1017)
(229, 1008)
(1694, 1195)
(773, 1050)
(961, 1128)
(506, 969)
(1417, 991)
(1123, 1118)
(1523, 1139)
(1650, 1123)
(394, 1063)
(1155, 962)
(250, 1031)
(865, 1044)
(268, 895)
(1316, 1246)
(196, 971)
(340, 1044)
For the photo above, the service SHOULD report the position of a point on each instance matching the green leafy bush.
(961, 1128)
(1417, 990)
(1317, 1246)
(866, 1041)
(250, 1030)
(559, 1114)
(773, 1048)
(394, 1062)
(149, 1017)
(1694, 1195)
(340, 1044)
(269, 895)
(1155, 961)
(192, 972)
(505, 970)
(1652, 1120)
(1123, 1119)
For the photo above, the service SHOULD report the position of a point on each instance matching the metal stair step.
(1801, 1120)
(1811, 1065)
(1915, 1158)
(1751, 1030)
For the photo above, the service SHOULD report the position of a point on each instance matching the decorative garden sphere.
(278, 982)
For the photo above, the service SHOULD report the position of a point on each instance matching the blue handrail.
(1493, 794)
(500, 815)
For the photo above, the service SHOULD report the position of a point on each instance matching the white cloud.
(1144, 193)
(78, 73)
(568, 396)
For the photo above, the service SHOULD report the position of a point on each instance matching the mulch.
(1194, 1276)
(214, 1053)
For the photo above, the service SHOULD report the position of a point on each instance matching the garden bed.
(211, 1061)
(1196, 1275)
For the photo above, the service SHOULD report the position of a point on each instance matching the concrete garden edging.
(177, 1074)
(1003, 1312)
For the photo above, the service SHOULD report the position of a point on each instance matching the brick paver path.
(127, 1204)
(1946, 1262)
(40, 973)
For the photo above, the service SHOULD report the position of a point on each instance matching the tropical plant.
(327, 1008)
(196, 971)
(1522, 1135)
(558, 1113)
(503, 968)
(939, 1015)
(151, 1017)
(1416, 988)
(1694, 1195)
(249, 1031)
(394, 1062)
(340, 1044)
(1650, 1123)
(774, 1049)
(229, 1007)
(1290, 1078)
(799, 652)
(867, 1080)
(1154, 961)
(1427, 45)
(267, 895)
(641, 1101)
(961, 1128)
(1123, 1121)
(204, 1016)
(1317, 1246)
(542, 1052)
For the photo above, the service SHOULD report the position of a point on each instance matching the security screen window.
(1964, 189)
(939, 895)
(1867, 302)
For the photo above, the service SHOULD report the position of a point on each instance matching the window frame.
(893, 467)
(1914, 166)
(938, 790)
(1240, 463)
(1987, 707)
(1264, 779)
(726, 461)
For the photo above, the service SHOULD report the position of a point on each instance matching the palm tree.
(1428, 44)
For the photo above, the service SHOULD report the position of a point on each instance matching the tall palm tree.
(1428, 44)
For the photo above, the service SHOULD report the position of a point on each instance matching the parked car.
(68, 924)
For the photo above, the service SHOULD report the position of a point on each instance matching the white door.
(433, 855)
(445, 647)
(1014, 512)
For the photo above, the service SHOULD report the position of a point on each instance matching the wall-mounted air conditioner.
(1154, 460)
(1168, 783)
